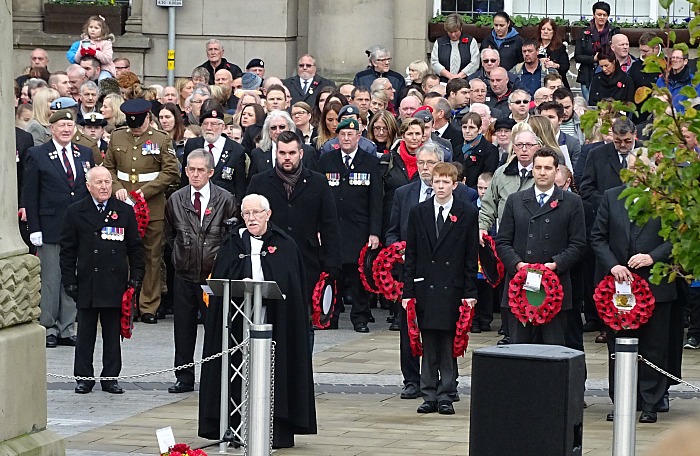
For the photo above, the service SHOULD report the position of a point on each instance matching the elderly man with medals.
(261, 251)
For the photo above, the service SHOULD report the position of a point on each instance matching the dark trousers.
(360, 312)
(188, 299)
(438, 378)
(653, 345)
(109, 318)
(483, 312)
(410, 365)
(694, 310)
(551, 333)
(587, 272)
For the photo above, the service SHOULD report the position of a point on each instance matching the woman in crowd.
(378, 101)
(110, 110)
(23, 116)
(184, 87)
(200, 75)
(552, 52)
(38, 127)
(506, 40)
(248, 98)
(252, 114)
(301, 115)
(218, 94)
(417, 70)
(455, 42)
(477, 155)
(319, 104)
(594, 39)
(611, 81)
(329, 120)
(542, 127)
(170, 119)
(382, 131)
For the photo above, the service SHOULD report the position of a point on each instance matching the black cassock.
(294, 406)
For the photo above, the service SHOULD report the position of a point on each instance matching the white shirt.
(548, 194)
(69, 154)
(446, 208)
(204, 194)
(423, 195)
(305, 83)
(521, 167)
(274, 154)
(217, 150)
(441, 130)
(619, 157)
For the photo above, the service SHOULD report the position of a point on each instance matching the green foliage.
(486, 19)
(84, 2)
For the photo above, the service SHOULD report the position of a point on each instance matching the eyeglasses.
(479, 90)
(524, 146)
(306, 65)
(384, 60)
(518, 102)
(196, 101)
(216, 123)
(252, 214)
(678, 58)
(422, 163)
(278, 127)
(489, 60)
(299, 113)
(122, 68)
(378, 128)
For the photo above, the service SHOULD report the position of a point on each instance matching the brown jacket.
(195, 244)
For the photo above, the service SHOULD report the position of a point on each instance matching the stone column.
(22, 341)
(29, 14)
(411, 33)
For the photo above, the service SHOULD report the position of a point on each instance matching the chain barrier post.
(624, 430)
(259, 421)
(224, 398)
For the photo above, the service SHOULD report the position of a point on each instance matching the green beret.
(348, 123)
(63, 114)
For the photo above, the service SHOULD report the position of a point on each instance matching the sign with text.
(169, 2)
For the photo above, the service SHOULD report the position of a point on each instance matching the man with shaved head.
(500, 89)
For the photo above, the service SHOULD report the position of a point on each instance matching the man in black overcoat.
(353, 176)
(280, 261)
(306, 84)
(229, 156)
(542, 225)
(442, 250)
(101, 255)
(621, 248)
(303, 207)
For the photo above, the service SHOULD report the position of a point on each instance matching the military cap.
(424, 113)
(212, 114)
(136, 111)
(63, 103)
(254, 63)
(348, 110)
(228, 119)
(348, 123)
(250, 81)
(93, 119)
(63, 114)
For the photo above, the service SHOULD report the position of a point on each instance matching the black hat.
(504, 123)
(366, 268)
(93, 119)
(212, 114)
(136, 111)
(255, 63)
(348, 123)
(491, 266)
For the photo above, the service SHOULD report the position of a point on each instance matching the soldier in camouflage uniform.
(142, 159)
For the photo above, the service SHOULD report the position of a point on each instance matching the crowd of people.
(330, 169)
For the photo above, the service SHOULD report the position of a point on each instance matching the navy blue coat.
(47, 193)
(366, 77)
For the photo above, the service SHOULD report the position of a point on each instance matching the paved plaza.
(357, 387)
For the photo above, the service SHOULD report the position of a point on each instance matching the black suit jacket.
(441, 269)
(534, 234)
(455, 137)
(100, 267)
(358, 198)
(308, 213)
(407, 197)
(24, 142)
(317, 83)
(601, 173)
(47, 193)
(615, 240)
(229, 172)
(581, 162)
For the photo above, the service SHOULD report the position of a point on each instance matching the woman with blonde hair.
(110, 110)
(417, 70)
(38, 126)
(184, 87)
(542, 127)
(378, 101)
(218, 94)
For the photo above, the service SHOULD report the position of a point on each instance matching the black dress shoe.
(333, 325)
(485, 328)
(160, 314)
(410, 391)
(83, 388)
(501, 331)
(590, 326)
(390, 319)
(428, 407)
(610, 416)
(112, 388)
(149, 318)
(361, 328)
(504, 341)
(51, 341)
(371, 319)
(664, 405)
(647, 417)
(394, 326)
(67, 341)
(601, 338)
(180, 387)
(445, 408)
(476, 329)
(454, 397)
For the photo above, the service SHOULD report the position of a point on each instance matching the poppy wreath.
(317, 298)
(464, 323)
(413, 331)
(499, 264)
(143, 214)
(517, 296)
(618, 319)
(126, 322)
(360, 267)
(389, 287)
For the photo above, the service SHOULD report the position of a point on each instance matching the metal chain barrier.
(148, 374)
(667, 374)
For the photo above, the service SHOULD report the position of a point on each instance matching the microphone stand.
(229, 435)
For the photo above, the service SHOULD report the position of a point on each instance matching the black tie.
(101, 207)
(624, 161)
(428, 192)
(306, 86)
(523, 175)
(440, 222)
(348, 159)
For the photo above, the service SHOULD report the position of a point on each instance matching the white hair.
(255, 198)
(480, 105)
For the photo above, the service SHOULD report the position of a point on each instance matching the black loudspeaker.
(527, 400)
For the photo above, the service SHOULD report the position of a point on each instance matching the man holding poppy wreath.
(622, 248)
(542, 225)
